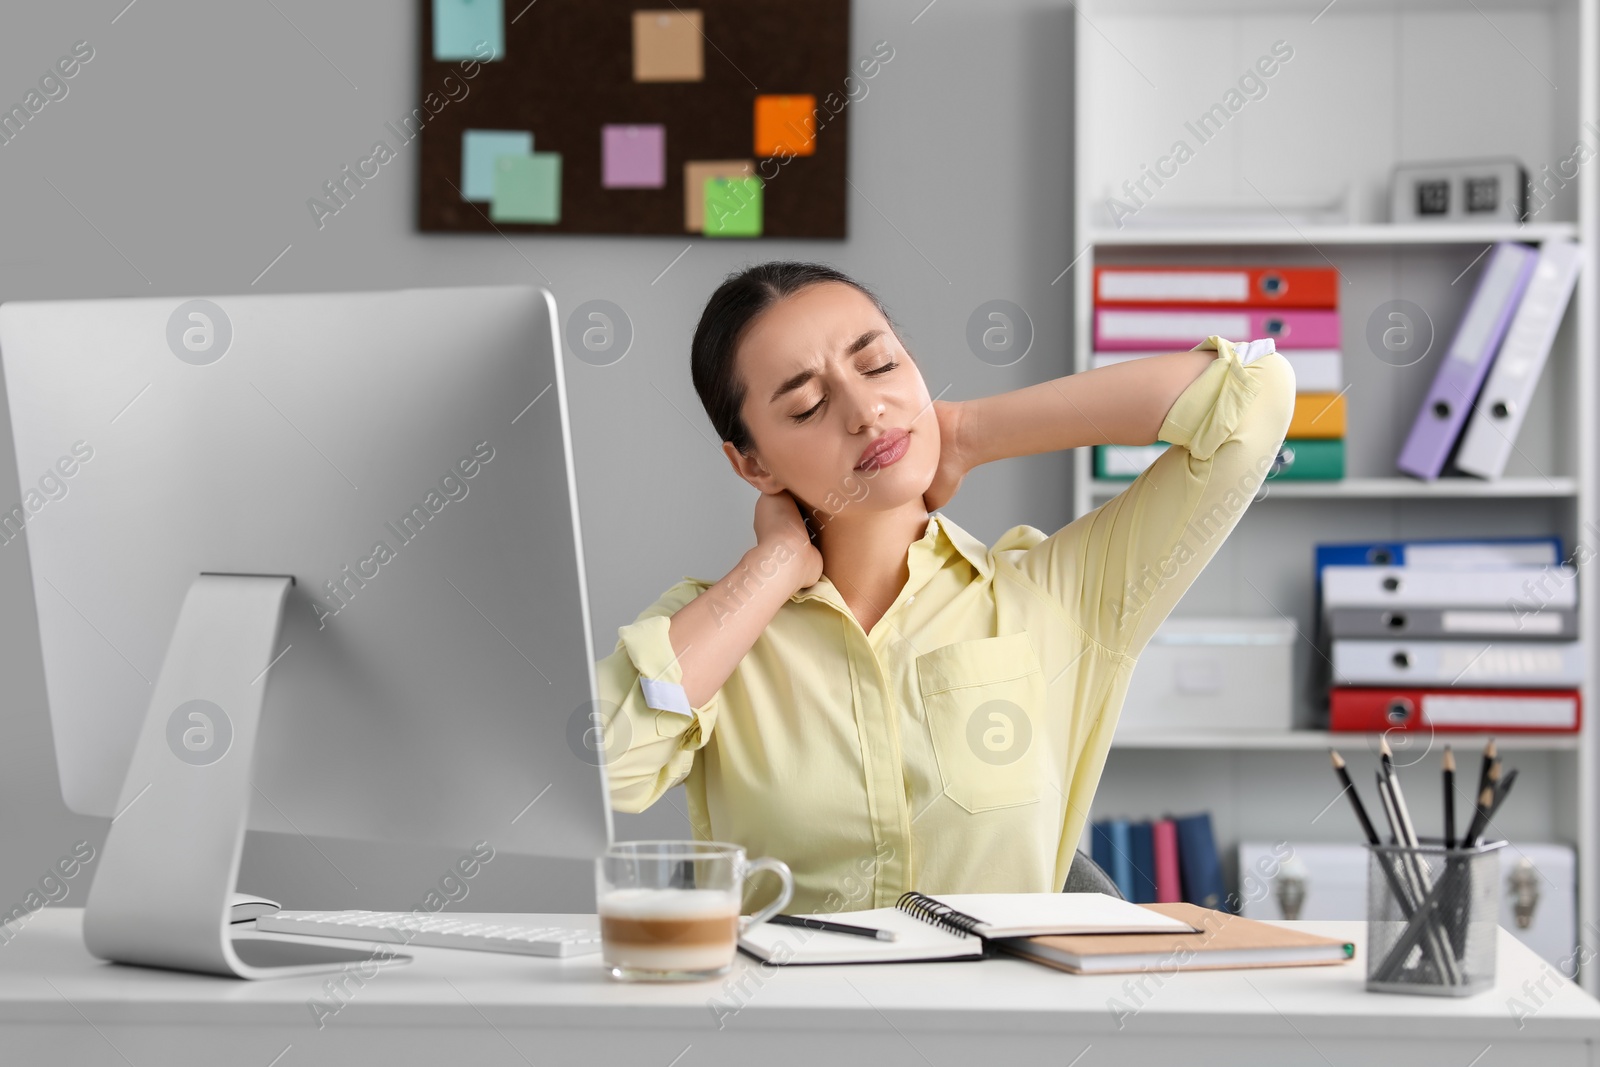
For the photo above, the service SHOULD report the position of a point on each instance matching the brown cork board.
(569, 70)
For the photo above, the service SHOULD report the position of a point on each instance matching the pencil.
(1411, 886)
(1489, 756)
(1407, 829)
(1355, 798)
(1449, 798)
(1499, 798)
(1479, 816)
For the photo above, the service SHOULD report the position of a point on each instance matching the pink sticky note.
(633, 157)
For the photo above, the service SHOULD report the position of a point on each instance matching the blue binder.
(1199, 868)
(1100, 844)
(1121, 869)
(1144, 862)
(1520, 550)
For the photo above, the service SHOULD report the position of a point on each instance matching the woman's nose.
(866, 410)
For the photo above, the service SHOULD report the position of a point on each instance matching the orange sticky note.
(786, 125)
(695, 173)
(668, 46)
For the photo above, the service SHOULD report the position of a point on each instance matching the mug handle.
(781, 869)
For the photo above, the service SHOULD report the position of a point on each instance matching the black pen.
(833, 927)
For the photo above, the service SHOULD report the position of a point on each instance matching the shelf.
(1394, 488)
(1370, 234)
(1321, 740)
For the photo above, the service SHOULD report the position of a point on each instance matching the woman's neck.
(864, 555)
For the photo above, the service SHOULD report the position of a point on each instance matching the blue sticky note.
(479, 150)
(460, 25)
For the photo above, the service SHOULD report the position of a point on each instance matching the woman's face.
(826, 380)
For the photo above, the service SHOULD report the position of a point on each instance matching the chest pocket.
(984, 700)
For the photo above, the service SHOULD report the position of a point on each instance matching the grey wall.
(180, 163)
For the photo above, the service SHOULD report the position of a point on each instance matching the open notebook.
(955, 925)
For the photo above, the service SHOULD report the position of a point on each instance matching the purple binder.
(1449, 401)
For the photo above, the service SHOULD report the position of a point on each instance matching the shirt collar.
(974, 550)
(925, 556)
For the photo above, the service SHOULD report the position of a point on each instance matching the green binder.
(1308, 460)
(1298, 459)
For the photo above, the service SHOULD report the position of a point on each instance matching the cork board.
(723, 82)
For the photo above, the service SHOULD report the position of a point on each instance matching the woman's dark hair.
(738, 302)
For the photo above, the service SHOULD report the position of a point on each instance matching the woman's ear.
(750, 469)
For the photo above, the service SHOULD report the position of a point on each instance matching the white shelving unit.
(1371, 83)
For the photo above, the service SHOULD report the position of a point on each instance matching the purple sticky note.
(634, 157)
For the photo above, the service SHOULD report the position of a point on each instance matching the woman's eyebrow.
(795, 381)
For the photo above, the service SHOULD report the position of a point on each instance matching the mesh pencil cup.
(1432, 918)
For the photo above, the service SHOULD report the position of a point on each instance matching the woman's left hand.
(953, 460)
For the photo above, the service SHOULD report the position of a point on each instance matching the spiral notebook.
(955, 926)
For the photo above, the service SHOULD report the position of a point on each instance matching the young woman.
(872, 694)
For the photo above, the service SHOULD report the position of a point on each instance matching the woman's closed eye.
(804, 415)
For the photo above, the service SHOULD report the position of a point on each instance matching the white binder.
(1469, 664)
(1316, 370)
(1503, 402)
(1531, 588)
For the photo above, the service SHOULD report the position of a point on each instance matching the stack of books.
(1142, 311)
(1159, 861)
(1451, 635)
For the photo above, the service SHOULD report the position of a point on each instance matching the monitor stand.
(163, 885)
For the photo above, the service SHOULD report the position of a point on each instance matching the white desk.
(59, 1005)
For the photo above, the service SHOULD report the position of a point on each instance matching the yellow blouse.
(957, 745)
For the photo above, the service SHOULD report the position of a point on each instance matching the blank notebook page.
(1027, 914)
(918, 940)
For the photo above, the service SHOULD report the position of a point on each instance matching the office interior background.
(182, 159)
(983, 160)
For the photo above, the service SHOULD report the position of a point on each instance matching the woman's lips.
(888, 448)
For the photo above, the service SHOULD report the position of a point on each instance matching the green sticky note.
(733, 207)
(469, 29)
(527, 188)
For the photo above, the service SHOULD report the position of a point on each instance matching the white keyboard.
(484, 931)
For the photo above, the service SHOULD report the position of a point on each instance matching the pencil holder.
(1432, 917)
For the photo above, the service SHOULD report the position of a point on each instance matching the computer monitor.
(350, 518)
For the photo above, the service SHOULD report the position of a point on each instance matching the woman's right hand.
(779, 523)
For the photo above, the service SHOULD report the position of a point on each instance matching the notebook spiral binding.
(931, 911)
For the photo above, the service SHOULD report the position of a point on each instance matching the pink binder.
(1177, 329)
(1461, 373)
(1164, 833)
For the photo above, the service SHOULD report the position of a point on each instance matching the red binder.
(1364, 709)
(1290, 287)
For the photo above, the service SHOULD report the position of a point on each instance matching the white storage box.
(1200, 675)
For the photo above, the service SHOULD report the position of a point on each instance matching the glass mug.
(669, 910)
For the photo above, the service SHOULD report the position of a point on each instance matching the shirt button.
(910, 598)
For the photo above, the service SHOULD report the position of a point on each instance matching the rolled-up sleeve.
(1121, 568)
(650, 731)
